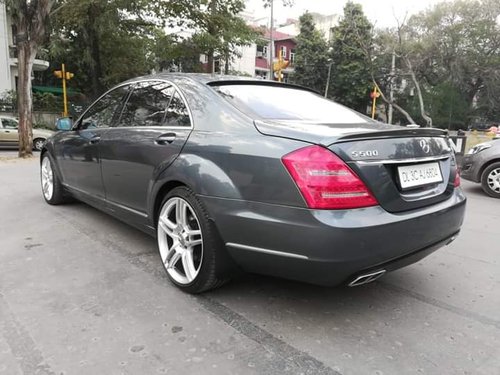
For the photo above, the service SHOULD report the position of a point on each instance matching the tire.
(490, 180)
(38, 144)
(52, 189)
(190, 248)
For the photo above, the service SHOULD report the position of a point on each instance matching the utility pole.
(391, 86)
(271, 42)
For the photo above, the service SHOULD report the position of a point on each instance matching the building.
(8, 54)
(254, 59)
(323, 23)
(283, 43)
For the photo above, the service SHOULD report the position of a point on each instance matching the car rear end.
(373, 199)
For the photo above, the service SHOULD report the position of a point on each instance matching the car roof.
(198, 77)
(216, 80)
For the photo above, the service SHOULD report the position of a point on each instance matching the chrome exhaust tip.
(366, 278)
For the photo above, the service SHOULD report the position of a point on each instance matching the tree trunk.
(210, 57)
(211, 29)
(94, 49)
(26, 56)
(226, 61)
(398, 108)
(423, 113)
(30, 19)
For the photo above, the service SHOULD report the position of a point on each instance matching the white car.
(9, 136)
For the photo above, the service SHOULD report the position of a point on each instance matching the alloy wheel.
(38, 144)
(493, 180)
(180, 240)
(47, 176)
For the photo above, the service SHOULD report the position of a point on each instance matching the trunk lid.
(404, 168)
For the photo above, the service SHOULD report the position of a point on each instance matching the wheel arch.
(160, 195)
(486, 165)
(202, 176)
(55, 165)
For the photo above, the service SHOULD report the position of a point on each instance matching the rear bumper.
(330, 247)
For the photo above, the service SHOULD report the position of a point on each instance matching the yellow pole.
(374, 105)
(65, 98)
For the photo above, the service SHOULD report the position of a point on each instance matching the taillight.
(456, 183)
(325, 181)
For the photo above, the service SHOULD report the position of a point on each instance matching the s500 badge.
(364, 154)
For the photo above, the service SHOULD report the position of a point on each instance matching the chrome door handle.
(165, 138)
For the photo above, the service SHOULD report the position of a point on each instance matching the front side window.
(105, 111)
(147, 104)
(287, 103)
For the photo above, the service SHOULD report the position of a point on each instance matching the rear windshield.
(286, 103)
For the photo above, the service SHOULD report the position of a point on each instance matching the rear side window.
(177, 112)
(8, 123)
(147, 104)
(286, 103)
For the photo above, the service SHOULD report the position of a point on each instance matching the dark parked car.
(482, 164)
(267, 177)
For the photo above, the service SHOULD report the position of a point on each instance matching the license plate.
(419, 174)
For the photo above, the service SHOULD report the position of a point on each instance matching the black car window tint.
(9, 124)
(288, 103)
(147, 104)
(103, 112)
(177, 112)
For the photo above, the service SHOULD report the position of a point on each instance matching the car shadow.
(245, 291)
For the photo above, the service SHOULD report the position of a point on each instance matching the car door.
(78, 151)
(154, 125)
(9, 135)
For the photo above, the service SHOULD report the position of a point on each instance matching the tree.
(173, 53)
(311, 56)
(106, 41)
(460, 44)
(448, 63)
(351, 79)
(219, 29)
(396, 44)
(30, 18)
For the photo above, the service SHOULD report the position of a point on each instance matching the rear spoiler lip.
(386, 134)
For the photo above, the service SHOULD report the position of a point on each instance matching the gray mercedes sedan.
(259, 176)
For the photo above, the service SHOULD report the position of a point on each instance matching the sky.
(380, 12)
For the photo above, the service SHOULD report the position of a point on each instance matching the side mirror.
(64, 123)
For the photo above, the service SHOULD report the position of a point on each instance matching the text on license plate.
(419, 174)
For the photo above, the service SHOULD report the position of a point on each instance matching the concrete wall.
(245, 63)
